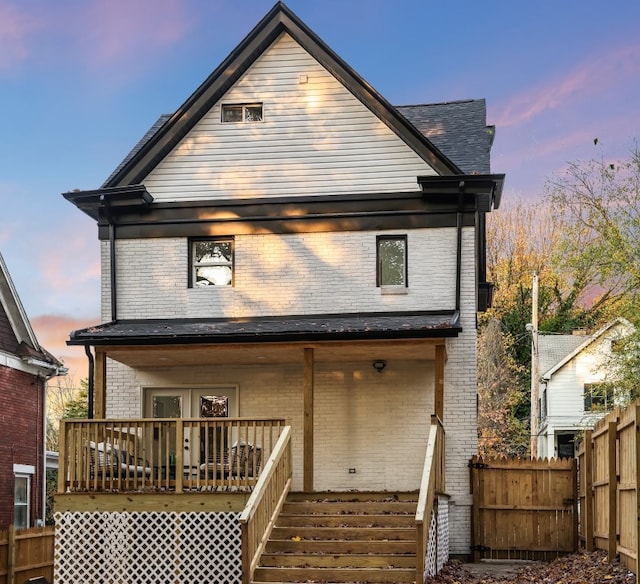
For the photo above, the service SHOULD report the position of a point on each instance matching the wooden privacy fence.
(26, 554)
(608, 478)
(524, 509)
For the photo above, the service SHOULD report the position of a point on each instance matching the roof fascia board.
(278, 20)
(591, 339)
(14, 309)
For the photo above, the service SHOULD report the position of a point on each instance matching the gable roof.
(555, 351)
(167, 133)
(28, 347)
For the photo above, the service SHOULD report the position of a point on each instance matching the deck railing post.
(63, 460)
(179, 454)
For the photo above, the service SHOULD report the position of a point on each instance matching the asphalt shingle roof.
(458, 129)
(554, 348)
(263, 329)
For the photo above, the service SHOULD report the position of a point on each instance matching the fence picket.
(523, 509)
(609, 468)
(25, 554)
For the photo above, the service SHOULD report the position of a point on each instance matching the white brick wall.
(307, 273)
(460, 414)
(375, 423)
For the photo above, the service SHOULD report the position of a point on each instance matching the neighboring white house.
(569, 366)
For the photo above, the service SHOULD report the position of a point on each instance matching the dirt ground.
(579, 568)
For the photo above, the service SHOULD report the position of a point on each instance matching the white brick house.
(279, 233)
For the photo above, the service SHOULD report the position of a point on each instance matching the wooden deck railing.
(164, 454)
(433, 482)
(265, 503)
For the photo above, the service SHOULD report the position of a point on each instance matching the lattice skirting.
(442, 555)
(147, 548)
(438, 548)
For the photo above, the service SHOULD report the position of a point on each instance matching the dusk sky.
(81, 81)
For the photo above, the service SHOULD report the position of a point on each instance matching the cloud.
(52, 332)
(114, 30)
(71, 264)
(587, 81)
(17, 31)
(98, 33)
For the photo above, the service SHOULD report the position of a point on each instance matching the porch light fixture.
(379, 365)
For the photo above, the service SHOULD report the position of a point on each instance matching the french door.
(202, 402)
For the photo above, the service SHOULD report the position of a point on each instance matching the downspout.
(459, 244)
(112, 258)
(54, 372)
(112, 263)
(90, 388)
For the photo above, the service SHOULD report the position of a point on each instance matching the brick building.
(25, 368)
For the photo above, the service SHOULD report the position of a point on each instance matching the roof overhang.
(486, 188)
(120, 199)
(271, 329)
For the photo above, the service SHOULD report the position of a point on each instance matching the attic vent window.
(242, 112)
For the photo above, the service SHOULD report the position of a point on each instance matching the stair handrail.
(265, 503)
(433, 481)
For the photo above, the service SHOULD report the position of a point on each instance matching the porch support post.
(307, 478)
(441, 357)
(100, 385)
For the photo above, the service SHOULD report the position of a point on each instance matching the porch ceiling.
(271, 353)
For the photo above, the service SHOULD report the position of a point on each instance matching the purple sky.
(82, 80)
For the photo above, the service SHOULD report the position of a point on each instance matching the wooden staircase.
(342, 537)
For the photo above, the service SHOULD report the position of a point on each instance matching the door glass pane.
(167, 406)
(214, 406)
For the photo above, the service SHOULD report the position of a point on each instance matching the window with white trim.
(241, 112)
(391, 257)
(597, 396)
(212, 262)
(21, 501)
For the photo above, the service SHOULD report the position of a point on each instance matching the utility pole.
(533, 329)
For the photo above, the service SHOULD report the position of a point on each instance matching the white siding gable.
(316, 138)
(565, 389)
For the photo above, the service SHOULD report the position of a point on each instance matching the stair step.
(393, 575)
(339, 561)
(342, 520)
(344, 533)
(349, 507)
(340, 547)
(353, 496)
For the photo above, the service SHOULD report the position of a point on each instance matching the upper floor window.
(242, 112)
(392, 261)
(597, 397)
(212, 262)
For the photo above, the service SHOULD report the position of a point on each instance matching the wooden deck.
(164, 455)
